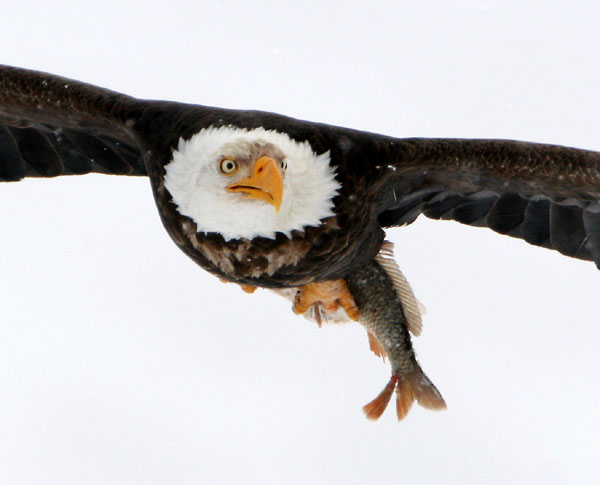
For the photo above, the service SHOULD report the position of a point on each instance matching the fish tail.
(414, 387)
(377, 406)
(405, 396)
(417, 386)
(424, 391)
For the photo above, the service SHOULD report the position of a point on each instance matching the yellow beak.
(265, 183)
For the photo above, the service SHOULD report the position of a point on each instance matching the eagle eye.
(227, 166)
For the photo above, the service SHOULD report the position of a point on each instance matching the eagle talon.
(318, 318)
(246, 288)
(328, 294)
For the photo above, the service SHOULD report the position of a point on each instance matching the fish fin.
(376, 347)
(422, 309)
(405, 397)
(377, 406)
(425, 391)
(411, 306)
(416, 386)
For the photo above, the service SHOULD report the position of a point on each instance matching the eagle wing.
(545, 194)
(52, 126)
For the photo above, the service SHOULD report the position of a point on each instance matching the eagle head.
(244, 183)
(255, 169)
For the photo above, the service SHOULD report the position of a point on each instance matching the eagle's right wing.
(52, 126)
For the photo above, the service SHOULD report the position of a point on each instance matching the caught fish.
(388, 310)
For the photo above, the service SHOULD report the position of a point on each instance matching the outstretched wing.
(547, 195)
(52, 126)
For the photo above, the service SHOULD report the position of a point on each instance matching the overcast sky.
(121, 361)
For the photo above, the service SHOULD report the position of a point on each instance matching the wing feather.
(547, 195)
(51, 126)
(12, 164)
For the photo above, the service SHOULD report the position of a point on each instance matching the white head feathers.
(198, 188)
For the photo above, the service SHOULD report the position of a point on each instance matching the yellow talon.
(330, 294)
(246, 288)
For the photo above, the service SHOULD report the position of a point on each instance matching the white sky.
(123, 362)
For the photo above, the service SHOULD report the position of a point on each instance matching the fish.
(388, 309)
(389, 312)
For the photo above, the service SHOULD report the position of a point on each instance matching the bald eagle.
(264, 200)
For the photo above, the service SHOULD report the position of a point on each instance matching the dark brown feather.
(52, 126)
(539, 193)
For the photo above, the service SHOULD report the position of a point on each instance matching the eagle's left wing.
(547, 195)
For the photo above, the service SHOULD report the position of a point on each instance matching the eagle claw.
(326, 294)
